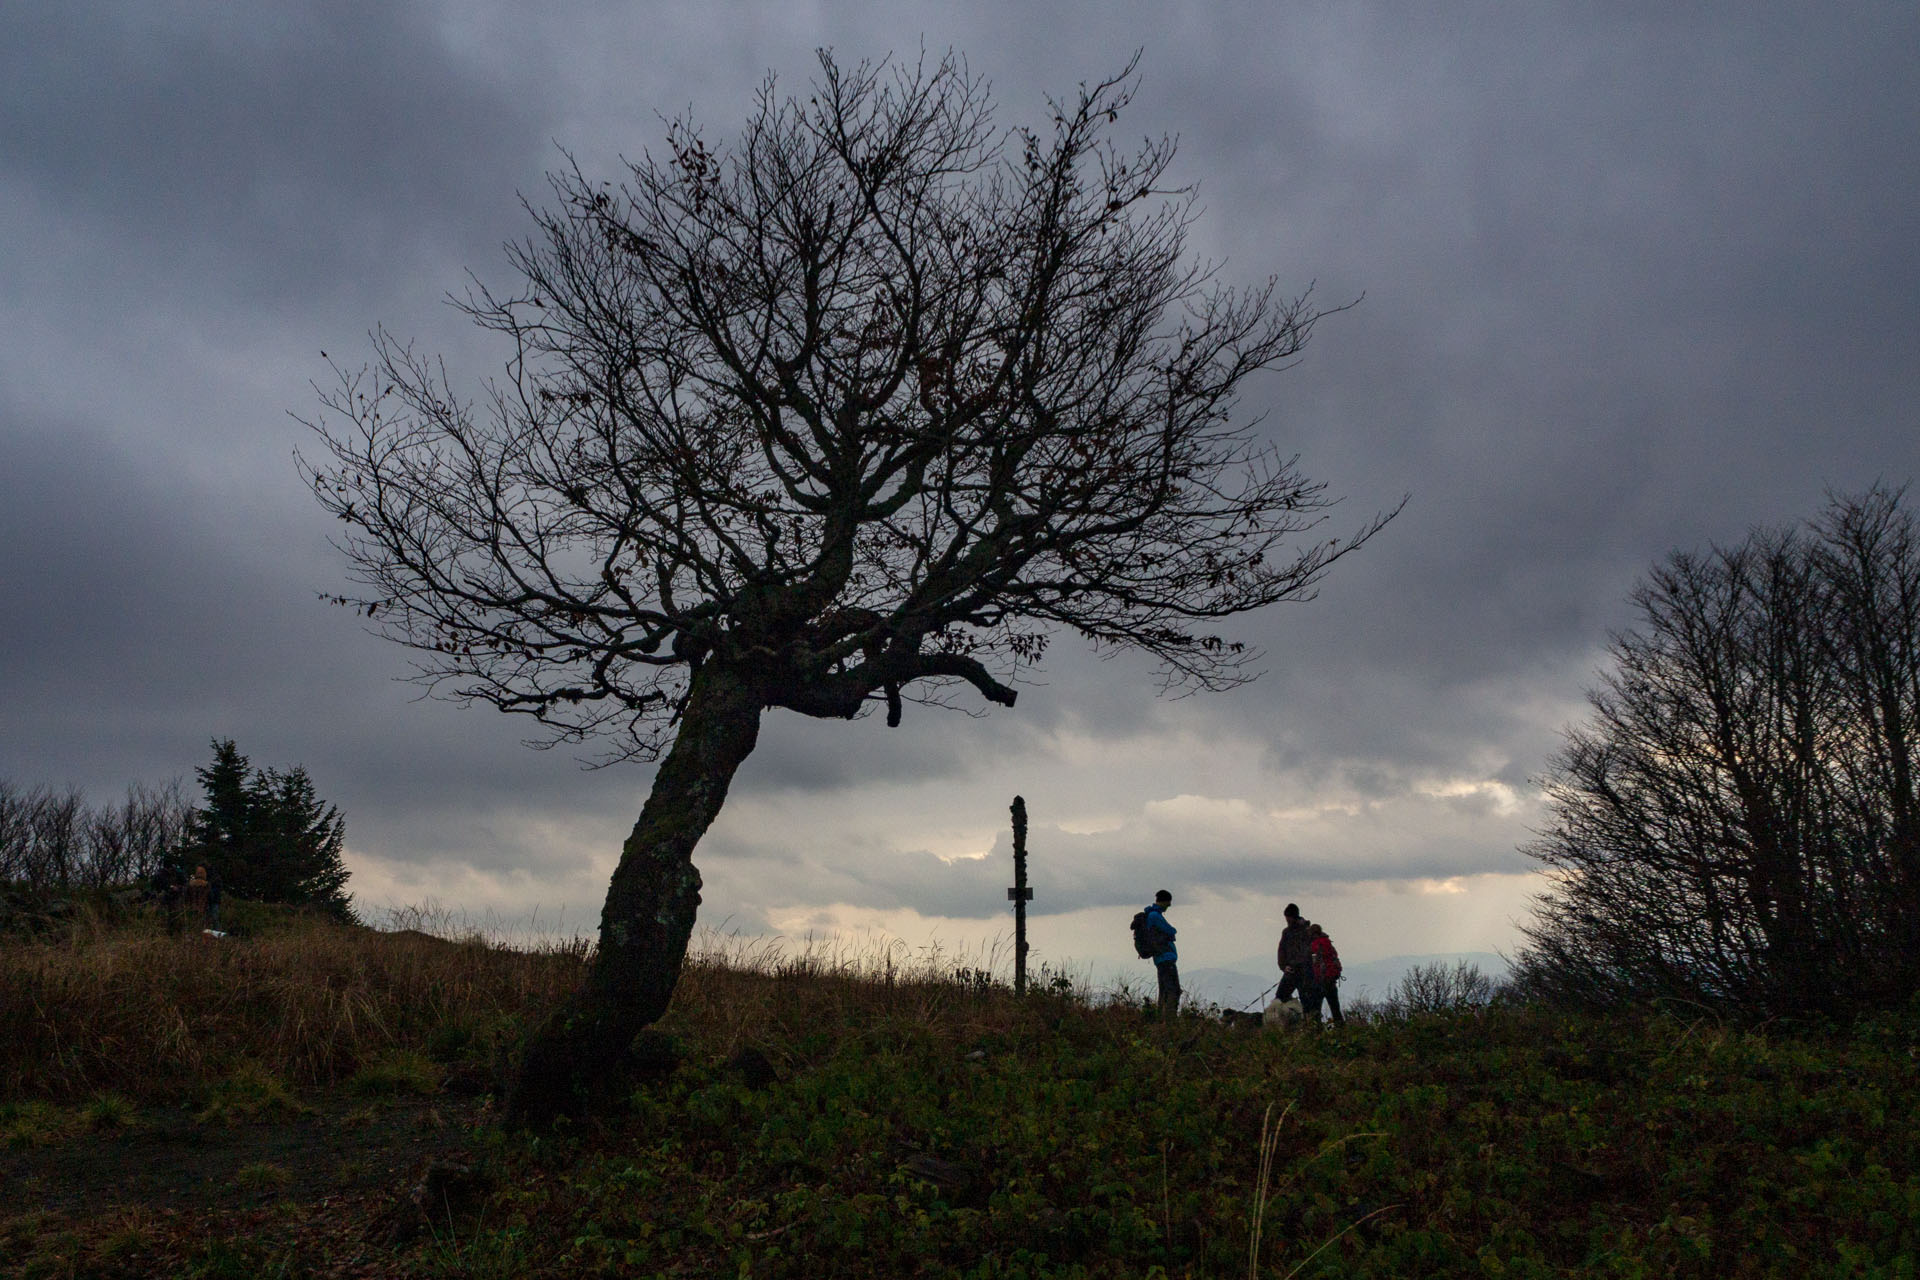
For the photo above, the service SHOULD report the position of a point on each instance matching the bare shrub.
(40, 830)
(54, 840)
(1440, 988)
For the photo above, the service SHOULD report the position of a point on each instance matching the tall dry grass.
(779, 995)
(126, 1007)
(120, 1006)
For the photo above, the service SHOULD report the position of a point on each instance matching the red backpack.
(1326, 961)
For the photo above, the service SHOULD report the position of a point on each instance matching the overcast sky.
(1636, 277)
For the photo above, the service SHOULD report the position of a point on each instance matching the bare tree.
(1869, 559)
(1735, 825)
(47, 835)
(856, 411)
(128, 844)
(55, 840)
(14, 826)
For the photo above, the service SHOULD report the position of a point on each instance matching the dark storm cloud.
(279, 151)
(138, 628)
(190, 190)
(1618, 272)
(126, 596)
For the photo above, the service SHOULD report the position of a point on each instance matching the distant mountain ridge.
(1237, 985)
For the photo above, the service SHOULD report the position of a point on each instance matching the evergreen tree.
(218, 831)
(267, 835)
(296, 842)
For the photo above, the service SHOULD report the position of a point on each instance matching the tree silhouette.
(55, 840)
(1737, 824)
(858, 410)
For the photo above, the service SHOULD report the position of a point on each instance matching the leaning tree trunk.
(582, 1047)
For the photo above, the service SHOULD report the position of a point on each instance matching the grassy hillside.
(828, 1119)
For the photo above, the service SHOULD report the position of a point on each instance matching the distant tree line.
(1737, 824)
(265, 835)
(54, 839)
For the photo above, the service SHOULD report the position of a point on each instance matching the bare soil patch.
(166, 1159)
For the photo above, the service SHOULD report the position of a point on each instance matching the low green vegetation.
(825, 1119)
(249, 1092)
(398, 1071)
(1057, 1140)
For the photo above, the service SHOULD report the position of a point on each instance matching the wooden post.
(1020, 895)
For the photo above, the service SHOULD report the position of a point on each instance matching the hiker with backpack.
(197, 890)
(1153, 940)
(1296, 960)
(169, 890)
(1324, 962)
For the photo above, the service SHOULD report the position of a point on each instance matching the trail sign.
(1019, 895)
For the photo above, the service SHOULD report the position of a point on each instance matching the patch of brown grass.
(136, 1011)
(779, 995)
(124, 1007)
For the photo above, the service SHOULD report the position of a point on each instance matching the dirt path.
(166, 1159)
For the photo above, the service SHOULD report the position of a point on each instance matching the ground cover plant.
(889, 1114)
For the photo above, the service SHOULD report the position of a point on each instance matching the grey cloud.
(803, 754)
(283, 151)
(1591, 327)
(1193, 844)
(137, 629)
(1635, 277)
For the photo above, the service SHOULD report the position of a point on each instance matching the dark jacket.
(1296, 946)
(1157, 921)
(168, 885)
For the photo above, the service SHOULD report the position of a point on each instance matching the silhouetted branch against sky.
(873, 396)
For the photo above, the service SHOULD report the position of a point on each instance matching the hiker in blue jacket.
(1166, 960)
